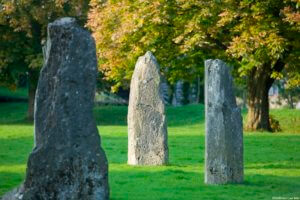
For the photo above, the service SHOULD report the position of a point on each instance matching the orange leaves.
(125, 29)
(292, 16)
(60, 3)
(8, 7)
(24, 24)
(25, 15)
(258, 47)
(253, 34)
(226, 17)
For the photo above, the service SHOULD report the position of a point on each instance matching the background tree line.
(260, 39)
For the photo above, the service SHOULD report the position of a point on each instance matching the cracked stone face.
(67, 161)
(223, 127)
(147, 125)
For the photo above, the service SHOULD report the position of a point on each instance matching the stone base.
(15, 194)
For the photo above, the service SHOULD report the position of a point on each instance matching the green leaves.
(23, 26)
(181, 33)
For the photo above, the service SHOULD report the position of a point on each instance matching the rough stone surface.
(147, 125)
(224, 129)
(14, 194)
(67, 161)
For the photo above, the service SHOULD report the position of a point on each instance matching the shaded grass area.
(179, 116)
(13, 113)
(272, 161)
(20, 93)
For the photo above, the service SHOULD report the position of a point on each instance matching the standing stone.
(165, 88)
(224, 129)
(178, 95)
(192, 93)
(67, 161)
(147, 125)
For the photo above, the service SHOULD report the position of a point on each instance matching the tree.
(126, 29)
(265, 42)
(259, 38)
(23, 27)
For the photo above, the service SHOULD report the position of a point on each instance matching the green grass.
(272, 161)
(19, 93)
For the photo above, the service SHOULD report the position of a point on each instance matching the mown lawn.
(272, 161)
(18, 93)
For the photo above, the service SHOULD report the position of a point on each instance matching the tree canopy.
(23, 27)
(181, 33)
(259, 38)
(124, 30)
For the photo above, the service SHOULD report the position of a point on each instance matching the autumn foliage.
(260, 39)
(23, 28)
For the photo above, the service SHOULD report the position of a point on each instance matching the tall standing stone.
(165, 88)
(224, 129)
(67, 161)
(193, 93)
(178, 94)
(147, 125)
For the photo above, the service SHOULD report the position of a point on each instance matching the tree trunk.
(244, 99)
(32, 85)
(290, 101)
(259, 84)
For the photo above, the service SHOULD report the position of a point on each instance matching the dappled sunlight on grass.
(19, 93)
(177, 116)
(16, 131)
(272, 160)
(274, 165)
(13, 168)
(13, 113)
(290, 172)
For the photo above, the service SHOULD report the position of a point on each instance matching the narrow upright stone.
(165, 91)
(224, 129)
(147, 125)
(178, 94)
(67, 161)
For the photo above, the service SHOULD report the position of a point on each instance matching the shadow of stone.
(285, 165)
(180, 184)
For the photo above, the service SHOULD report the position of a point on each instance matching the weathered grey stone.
(165, 88)
(147, 125)
(193, 93)
(67, 161)
(178, 94)
(224, 129)
(14, 194)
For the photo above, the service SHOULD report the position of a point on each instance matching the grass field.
(272, 161)
(19, 93)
